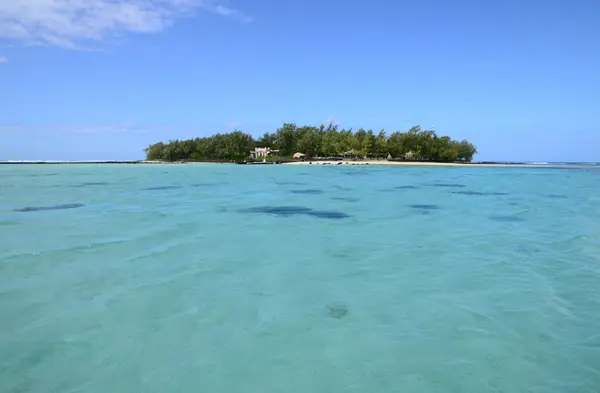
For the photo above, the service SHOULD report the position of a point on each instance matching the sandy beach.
(447, 164)
(385, 163)
(324, 163)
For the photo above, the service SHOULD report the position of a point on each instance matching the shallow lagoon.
(221, 278)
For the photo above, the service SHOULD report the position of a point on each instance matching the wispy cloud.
(231, 12)
(331, 120)
(3, 60)
(73, 24)
(232, 125)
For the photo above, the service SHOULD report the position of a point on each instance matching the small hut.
(299, 156)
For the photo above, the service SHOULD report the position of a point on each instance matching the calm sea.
(194, 278)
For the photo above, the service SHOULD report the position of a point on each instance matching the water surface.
(194, 278)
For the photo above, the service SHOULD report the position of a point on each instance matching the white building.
(262, 152)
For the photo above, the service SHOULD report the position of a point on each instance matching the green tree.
(381, 149)
(395, 144)
(286, 139)
(155, 152)
(466, 151)
(329, 143)
(309, 143)
(318, 141)
(267, 140)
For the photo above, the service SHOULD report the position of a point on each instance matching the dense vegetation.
(330, 141)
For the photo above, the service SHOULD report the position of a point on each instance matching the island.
(292, 143)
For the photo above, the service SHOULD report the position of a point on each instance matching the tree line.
(323, 141)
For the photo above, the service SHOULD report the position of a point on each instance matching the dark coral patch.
(507, 218)
(447, 185)
(287, 211)
(160, 188)
(308, 191)
(480, 193)
(337, 310)
(53, 207)
(424, 207)
(345, 199)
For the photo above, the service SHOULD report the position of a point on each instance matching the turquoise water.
(193, 278)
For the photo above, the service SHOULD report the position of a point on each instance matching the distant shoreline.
(318, 162)
(443, 164)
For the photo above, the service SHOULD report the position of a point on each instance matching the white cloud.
(75, 23)
(226, 11)
(3, 60)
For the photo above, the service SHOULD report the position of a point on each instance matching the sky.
(102, 79)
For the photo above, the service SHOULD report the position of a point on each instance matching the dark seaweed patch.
(205, 184)
(342, 188)
(287, 211)
(100, 183)
(327, 214)
(289, 183)
(41, 174)
(405, 188)
(308, 191)
(337, 310)
(424, 207)
(53, 207)
(90, 184)
(505, 218)
(447, 185)
(527, 249)
(480, 193)
(160, 188)
(354, 173)
(345, 199)
(283, 211)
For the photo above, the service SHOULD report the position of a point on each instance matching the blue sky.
(101, 79)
